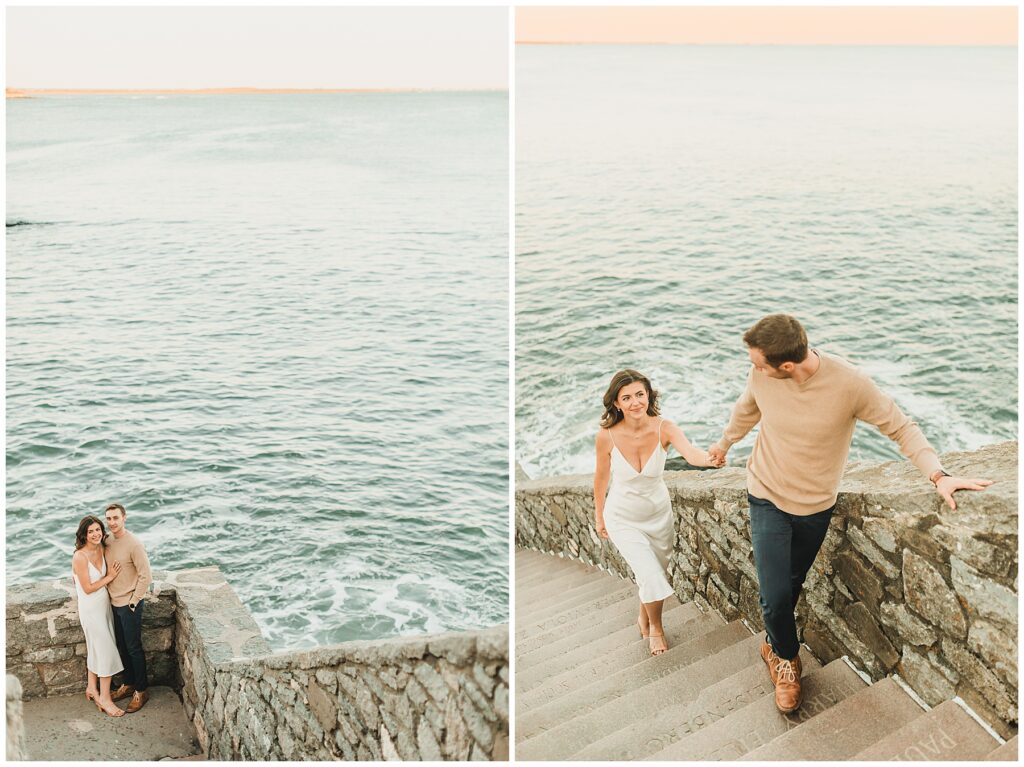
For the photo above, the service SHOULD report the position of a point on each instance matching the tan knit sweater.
(806, 428)
(133, 581)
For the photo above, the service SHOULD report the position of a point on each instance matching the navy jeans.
(785, 546)
(128, 635)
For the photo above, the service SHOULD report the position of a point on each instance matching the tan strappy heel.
(659, 650)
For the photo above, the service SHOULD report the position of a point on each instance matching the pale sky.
(257, 47)
(793, 25)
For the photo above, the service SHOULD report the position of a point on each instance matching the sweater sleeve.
(145, 577)
(745, 415)
(878, 408)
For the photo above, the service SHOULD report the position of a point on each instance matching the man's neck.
(120, 533)
(807, 368)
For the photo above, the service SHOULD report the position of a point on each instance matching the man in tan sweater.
(808, 403)
(127, 592)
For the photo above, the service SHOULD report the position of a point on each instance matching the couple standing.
(111, 574)
(808, 403)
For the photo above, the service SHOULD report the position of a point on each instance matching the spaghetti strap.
(659, 432)
(612, 438)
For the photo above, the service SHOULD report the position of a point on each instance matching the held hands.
(716, 457)
(946, 486)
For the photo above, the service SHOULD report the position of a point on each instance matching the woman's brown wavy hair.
(612, 415)
(83, 529)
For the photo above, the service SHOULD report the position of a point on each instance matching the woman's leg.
(106, 702)
(91, 688)
(657, 631)
(644, 622)
(105, 689)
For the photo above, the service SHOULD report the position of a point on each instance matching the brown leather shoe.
(771, 660)
(138, 701)
(787, 684)
(122, 692)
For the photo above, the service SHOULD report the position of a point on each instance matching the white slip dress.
(97, 619)
(639, 520)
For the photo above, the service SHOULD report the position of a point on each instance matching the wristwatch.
(132, 606)
(937, 475)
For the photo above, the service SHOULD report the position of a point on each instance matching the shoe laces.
(786, 671)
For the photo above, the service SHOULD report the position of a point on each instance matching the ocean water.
(669, 196)
(276, 329)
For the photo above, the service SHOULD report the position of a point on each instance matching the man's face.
(115, 520)
(757, 358)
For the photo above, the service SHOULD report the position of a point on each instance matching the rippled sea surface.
(276, 329)
(669, 196)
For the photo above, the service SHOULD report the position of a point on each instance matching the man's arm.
(879, 409)
(141, 562)
(745, 415)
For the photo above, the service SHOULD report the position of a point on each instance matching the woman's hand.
(115, 570)
(715, 457)
(602, 531)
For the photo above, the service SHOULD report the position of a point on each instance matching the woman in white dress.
(91, 574)
(636, 514)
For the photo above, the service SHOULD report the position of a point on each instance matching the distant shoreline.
(24, 93)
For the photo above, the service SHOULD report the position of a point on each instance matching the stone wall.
(15, 722)
(441, 696)
(902, 585)
(420, 698)
(46, 646)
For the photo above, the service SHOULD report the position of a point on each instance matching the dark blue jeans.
(128, 635)
(785, 546)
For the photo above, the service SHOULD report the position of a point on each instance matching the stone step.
(1005, 753)
(627, 717)
(593, 592)
(551, 705)
(584, 632)
(593, 669)
(532, 626)
(533, 566)
(533, 563)
(558, 583)
(945, 733)
(616, 650)
(562, 599)
(673, 710)
(609, 616)
(749, 726)
(844, 729)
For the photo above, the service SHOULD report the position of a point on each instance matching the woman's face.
(94, 534)
(632, 400)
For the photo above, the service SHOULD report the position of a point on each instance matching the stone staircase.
(587, 687)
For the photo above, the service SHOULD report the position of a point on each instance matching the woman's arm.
(80, 566)
(694, 456)
(602, 471)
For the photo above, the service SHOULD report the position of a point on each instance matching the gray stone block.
(859, 578)
(907, 626)
(985, 597)
(930, 596)
(996, 647)
(924, 678)
(976, 675)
